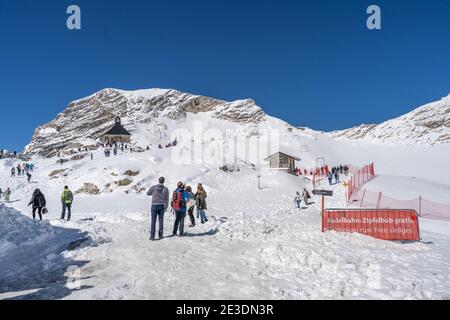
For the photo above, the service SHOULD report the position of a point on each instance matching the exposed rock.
(85, 120)
(54, 173)
(131, 173)
(88, 188)
(78, 157)
(123, 182)
(230, 168)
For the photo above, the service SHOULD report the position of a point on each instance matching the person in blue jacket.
(180, 199)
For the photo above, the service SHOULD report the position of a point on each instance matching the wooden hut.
(283, 161)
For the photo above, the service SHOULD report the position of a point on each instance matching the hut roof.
(282, 153)
(118, 129)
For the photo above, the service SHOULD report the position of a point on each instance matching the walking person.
(7, 194)
(160, 203)
(330, 178)
(28, 177)
(306, 196)
(200, 197)
(191, 206)
(13, 172)
(336, 177)
(66, 201)
(38, 203)
(180, 198)
(298, 200)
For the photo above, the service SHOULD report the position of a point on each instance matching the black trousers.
(191, 216)
(39, 210)
(179, 222)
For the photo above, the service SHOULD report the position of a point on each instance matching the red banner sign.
(385, 224)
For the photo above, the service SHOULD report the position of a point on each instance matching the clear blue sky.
(312, 63)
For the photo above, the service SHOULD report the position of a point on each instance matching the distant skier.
(180, 197)
(200, 197)
(298, 200)
(38, 203)
(160, 203)
(336, 176)
(66, 201)
(28, 177)
(13, 172)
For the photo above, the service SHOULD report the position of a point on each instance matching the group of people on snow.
(24, 170)
(305, 196)
(184, 201)
(6, 154)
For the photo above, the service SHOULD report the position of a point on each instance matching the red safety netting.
(426, 209)
(360, 177)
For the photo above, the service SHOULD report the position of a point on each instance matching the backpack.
(178, 202)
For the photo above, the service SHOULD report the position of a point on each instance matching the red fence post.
(364, 194)
(420, 206)
(379, 200)
(323, 213)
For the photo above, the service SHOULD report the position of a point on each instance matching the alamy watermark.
(374, 20)
(73, 21)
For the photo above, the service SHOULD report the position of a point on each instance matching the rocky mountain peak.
(86, 119)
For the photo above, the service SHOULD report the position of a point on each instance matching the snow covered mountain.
(85, 120)
(256, 245)
(427, 125)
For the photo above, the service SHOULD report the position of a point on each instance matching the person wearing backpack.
(66, 200)
(191, 206)
(200, 198)
(7, 194)
(160, 203)
(180, 198)
(298, 200)
(38, 202)
(306, 196)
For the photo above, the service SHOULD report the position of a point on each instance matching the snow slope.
(256, 245)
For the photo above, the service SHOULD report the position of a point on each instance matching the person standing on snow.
(38, 202)
(160, 203)
(306, 196)
(180, 199)
(13, 172)
(336, 177)
(191, 206)
(28, 177)
(298, 200)
(7, 194)
(1, 193)
(200, 197)
(66, 201)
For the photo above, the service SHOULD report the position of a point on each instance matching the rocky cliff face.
(85, 120)
(429, 125)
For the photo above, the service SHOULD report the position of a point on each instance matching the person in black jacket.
(38, 202)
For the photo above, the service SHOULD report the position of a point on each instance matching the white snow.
(256, 244)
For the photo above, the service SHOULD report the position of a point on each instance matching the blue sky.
(312, 63)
